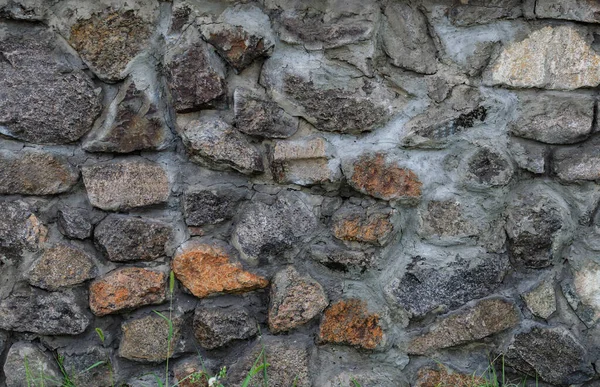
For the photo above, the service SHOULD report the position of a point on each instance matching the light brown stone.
(60, 266)
(146, 339)
(427, 377)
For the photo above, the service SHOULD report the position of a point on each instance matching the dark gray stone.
(578, 163)
(45, 99)
(214, 143)
(486, 168)
(529, 155)
(126, 238)
(484, 11)
(74, 223)
(43, 313)
(339, 258)
(423, 288)
(266, 232)
(20, 230)
(25, 359)
(259, 116)
(77, 362)
(61, 266)
(553, 353)
(211, 205)
(27, 10)
(587, 11)
(215, 327)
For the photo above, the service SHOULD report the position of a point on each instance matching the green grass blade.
(171, 282)
(168, 322)
(356, 384)
(97, 364)
(100, 334)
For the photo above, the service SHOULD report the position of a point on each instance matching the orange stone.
(427, 377)
(127, 288)
(374, 176)
(206, 269)
(349, 322)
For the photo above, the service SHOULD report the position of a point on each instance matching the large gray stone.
(587, 11)
(20, 230)
(32, 172)
(45, 99)
(74, 223)
(211, 205)
(541, 299)
(581, 290)
(60, 266)
(29, 365)
(212, 142)
(578, 163)
(406, 39)
(215, 327)
(484, 11)
(126, 238)
(258, 116)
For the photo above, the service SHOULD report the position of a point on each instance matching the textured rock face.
(581, 291)
(212, 205)
(483, 319)
(51, 174)
(20, 230)
(577, 163)
(216, 327)
(341, 259)
(558, 57)
(444, 219)
(74, 223)
(108, 41)
(486, 168)
(45, 100)
(206, 269)
(541, 299)
(552, 353)
(294, 300)
(109, 186)
(577, 10)
(349, 322)
(125, 239)
(258, 116)
(183, 370)
(427, 377)
(371, 225)
(25, 359)
(61, 266)
(483, 11)
(79, 360)
(529, 155)
(146, 339)
(127, 288)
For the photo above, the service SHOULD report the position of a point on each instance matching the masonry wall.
(392, 192)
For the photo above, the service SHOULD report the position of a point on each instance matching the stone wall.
(365, 188)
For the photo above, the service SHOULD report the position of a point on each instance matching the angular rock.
(332, 97)
(20, 230)
(108, 41)
(541, 300)
(207, 269)
(127, 238)
(211, 205)
(27, 10)
(214, 143)
(486, 168)
(133, 121)
(581, 292)
(553, 57)
(339, 258)
(484, 11)
(294, 300)
(537, 227)
(578, 163)
(45, 99)
(215, 327)
(258, 116)
(440, 124)
(304, 162)
(372, 224)
(444, 219)
(241, 34)
(74, 223)
(552, 353)
(26, 361)
(61, 265)
(122, 185)
(43, 313)
(32, 172)
(265, 232)
(485, 318)
(146, 339)
(349, 322)
(424, 289)
(195, 74)
(587, 11)
(406, 39)
(528, 155)
(127, 288)
(554, 118)
(428, 377)
(373, 175)
(77, 362)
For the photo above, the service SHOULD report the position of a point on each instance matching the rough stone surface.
(45, 99)
(424, 289)
(483, 11)
(108, 41)
(553, 57)
(74, 223)
(552, 353)
(61, 265)
(50, 174)
(43, 313)
(212, 142)
(485, 318)
(28, 10)
(20, 230)
(554, 119)
(541, 299)
(146, 339)
(211, 205)
(428, 377)
(406, 39)
(577, 163)
(206, 269)
(187, 368)
(371, 225)
(581, 292)
(529, 155)
(109, 185)
(339, 258)
(126, 238)
(258, 116)
(373, 175)
(486, 168)
(215, 327)
(350, 322)
(25, 359)
(264, 232)
(444, 219)
(294, 300)
(78, 361)
(587, 11)
(127, 288)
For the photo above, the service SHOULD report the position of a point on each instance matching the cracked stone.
(528, 155)
(350, 322)
(258, 116)
(216, 327)
(61, 265)
(340, 258)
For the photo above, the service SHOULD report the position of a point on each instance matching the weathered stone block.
(20, 229)
(486, 168)
(77, 362)
(341, 259)
(258, 116)
(146, 339)
(26, 361)
(587, 11)
(61, 265)
(74, 223)
(215, 327)
(540, 299)
(211, 205)
(372, 224)
(529, 155)
(350, 322)
(580, 290)
(444, 221)
(577, 163)
(484, 11)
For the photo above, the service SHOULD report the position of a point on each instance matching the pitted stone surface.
(146, 339)
(373, 225)
(211, 205)
(483, 11)
(26, 361)
(20, 230)
(541, 299)
(350, 322)
(215, 327)
(61, 266)
(587, 11)
(577, 163)
(74, 223)
(580, 291)
(258, 116)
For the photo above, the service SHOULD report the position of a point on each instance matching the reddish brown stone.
(427, 377)
(236, 46)
(127, 288)
(359, 224)
(349, 322)
(206, 269)
(372, 175)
